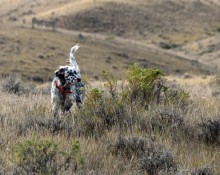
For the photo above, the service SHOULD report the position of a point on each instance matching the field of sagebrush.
(142, 125)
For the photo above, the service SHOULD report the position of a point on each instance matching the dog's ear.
(60, 72)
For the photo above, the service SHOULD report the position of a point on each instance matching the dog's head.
(67, 75)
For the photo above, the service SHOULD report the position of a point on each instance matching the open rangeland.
(112, 135)
(159, 116)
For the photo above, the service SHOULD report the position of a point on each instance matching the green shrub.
(145, 84)
(44, 157)
(149, 86)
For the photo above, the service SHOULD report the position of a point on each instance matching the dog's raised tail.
(72, 60)
(74, 48)
(72, 54)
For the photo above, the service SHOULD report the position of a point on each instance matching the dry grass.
(100, 152)
(116, 137)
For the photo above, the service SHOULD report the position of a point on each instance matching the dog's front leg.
(55, 109)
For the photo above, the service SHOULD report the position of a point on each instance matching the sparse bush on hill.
(111, 82)
(168, 45)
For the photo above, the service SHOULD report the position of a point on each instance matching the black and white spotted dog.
(67, 86)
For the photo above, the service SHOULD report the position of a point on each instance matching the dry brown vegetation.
(111, 134)
(140, 125)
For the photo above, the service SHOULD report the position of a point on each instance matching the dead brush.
(46, 124)
(128, 146)
(205, 170)
(150, 157)
(215, 86)
(155, 160)
(209, 131)
(167, 119)
(13, 84)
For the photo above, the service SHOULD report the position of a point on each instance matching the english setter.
(67, 85)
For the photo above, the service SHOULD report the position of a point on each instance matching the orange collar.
(61, 90)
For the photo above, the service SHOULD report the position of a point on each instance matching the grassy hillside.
(112, 135)
(36, 54)
(185, 28)
(134, 122)
(172, 25)
(145, 21)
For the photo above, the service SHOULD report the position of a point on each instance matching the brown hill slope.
(154, 33)
(36, 54)
(164, 19)
(174, 25)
